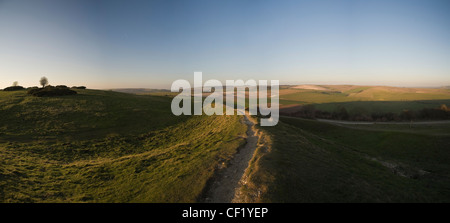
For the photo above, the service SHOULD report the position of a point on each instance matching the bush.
(306, 111)
(341, 114)
(61, 86)
(434, 114)
(50, 91)
(14, 88)
(79, 87)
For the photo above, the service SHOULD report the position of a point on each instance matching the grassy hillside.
(89, 114)
(311, 161)
(101, 146)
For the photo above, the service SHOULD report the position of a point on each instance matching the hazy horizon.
(306, 84)
(150, 44)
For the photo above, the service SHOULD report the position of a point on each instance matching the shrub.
(79, 87)
(407, 115)
(51, 91)
(306, 111)
(434, 114)
(14, 88)
(341, 114)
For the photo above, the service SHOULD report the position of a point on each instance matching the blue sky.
(112, 44)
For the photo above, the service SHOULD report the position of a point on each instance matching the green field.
(311, 96)
(101, 146)
(365, 98)
(310, 161)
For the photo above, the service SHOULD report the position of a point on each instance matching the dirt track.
(227, 180)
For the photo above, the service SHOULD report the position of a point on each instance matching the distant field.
(140, 90)
(145, 91)
(311, 161)
(364, 98)
(101, 146)
(356, 99)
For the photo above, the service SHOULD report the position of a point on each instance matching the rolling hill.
(103, 146)
(370, 99)
(346, 93)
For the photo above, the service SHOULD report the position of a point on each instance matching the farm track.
(227, 181)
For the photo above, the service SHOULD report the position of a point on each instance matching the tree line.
(341, 113)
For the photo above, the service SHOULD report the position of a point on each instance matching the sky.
(149, 44)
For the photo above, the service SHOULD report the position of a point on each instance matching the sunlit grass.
(108, 147)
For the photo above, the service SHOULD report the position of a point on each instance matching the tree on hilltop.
(43, 81)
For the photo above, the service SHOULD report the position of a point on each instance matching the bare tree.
(15, 84)
(43, 81)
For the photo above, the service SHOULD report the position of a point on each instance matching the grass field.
(101, 146)
(369, 99)
(311, 161)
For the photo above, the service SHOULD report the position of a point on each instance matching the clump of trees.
(49, 91)
(15, 87)
(309, 112)
(46, 90)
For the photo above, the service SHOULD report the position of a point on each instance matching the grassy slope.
(317, 162)
(89, 114)
(108, 147)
